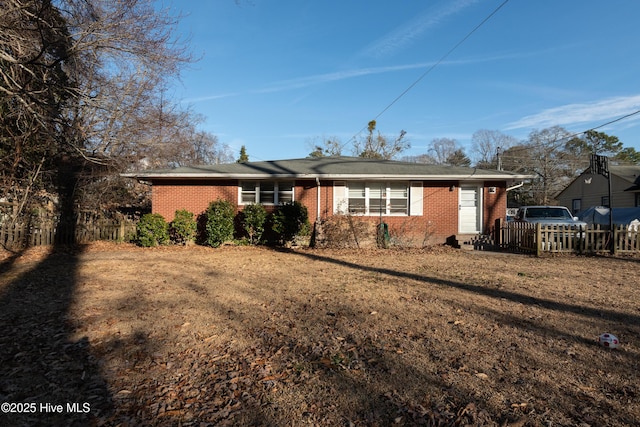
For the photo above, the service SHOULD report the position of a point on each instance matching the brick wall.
(194, 196)
(495, 204)
(440, 204)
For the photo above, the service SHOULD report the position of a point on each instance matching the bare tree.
(378, 146)
(78, 80)
(329, 147)
(420, 158)
(442, 148)
(544, 156)
(487, 144)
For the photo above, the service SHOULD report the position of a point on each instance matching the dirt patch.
(255, 336)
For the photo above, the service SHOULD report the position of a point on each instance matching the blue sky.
(280, 76)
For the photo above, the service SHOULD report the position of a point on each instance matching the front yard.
(254, 336)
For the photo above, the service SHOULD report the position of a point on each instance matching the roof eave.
(430, 177)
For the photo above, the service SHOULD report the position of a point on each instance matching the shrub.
(291, 220)
(220, 225)
(344, 231)
(152, 230)
(253, 221)
(183, 227)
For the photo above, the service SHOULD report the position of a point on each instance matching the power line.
(570, 136)
(432, 67)
(613, 121)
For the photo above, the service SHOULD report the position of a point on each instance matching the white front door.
(469, 210)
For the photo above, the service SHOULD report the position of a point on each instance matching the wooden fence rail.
(23, 235)
(537, 239)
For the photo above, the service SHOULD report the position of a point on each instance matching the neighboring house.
(589, 190)
(413, 197)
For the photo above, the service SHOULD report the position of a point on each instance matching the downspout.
(515, 186)
(317, 199)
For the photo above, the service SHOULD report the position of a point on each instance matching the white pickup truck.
(548, 215)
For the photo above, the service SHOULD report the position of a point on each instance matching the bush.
(183, 227)
(344, 231)
(219, 225)
(253, 220)
(291, 220)
(152, 230)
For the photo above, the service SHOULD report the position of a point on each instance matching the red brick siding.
(495, 205)
(306, 192)
(440, 204)
(194, 196)
(441, 207)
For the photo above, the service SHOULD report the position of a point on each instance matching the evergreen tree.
(244, 157)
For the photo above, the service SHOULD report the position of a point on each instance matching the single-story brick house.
(446, 200)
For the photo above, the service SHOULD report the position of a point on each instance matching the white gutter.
(341, 177)
(515, 186)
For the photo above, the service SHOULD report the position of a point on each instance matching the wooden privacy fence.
(536, 238)
(22, 235)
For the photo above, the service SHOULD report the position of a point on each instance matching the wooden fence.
(23, 235)
(537, 239)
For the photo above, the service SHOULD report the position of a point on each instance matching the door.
(469, 210)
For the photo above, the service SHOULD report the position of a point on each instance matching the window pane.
(398, 198)
(248, 192)
(356, 190)
(376, 206)
(398, 191)
(399, 206)
(285, 197)
(285, 186)
(248, 197)
(248, 186)
(376, 191)
(285, 192)
(357, 206)
(266, 197)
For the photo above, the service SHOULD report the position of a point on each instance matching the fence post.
(497, 233)
(538, 239)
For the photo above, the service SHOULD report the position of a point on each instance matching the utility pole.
(600, 165)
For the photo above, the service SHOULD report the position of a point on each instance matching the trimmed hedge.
(183, 227)
(152, 230)
(220, 224)
(252, 219)
(291, 220)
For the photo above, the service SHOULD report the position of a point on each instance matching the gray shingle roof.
(325, 168)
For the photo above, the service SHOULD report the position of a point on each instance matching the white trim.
(276, 192)
(416, 198)
(340, 197)
(479, 208)
(385, 188)
(345, 177)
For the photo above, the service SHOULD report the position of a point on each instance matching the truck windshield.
(548, 213)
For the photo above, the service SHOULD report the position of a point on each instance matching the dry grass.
(254, 336)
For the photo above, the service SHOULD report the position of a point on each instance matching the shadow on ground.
(46, 377)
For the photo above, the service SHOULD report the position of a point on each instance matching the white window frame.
(369, 189)
(277, 193)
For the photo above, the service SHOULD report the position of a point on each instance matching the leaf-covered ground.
(193, 336)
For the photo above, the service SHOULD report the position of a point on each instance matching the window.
(378, 198)
(266, 192)
(576, 206)
(604, 201)
(637, 204)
